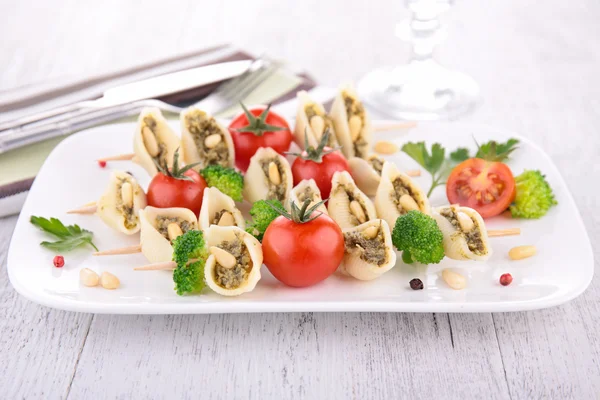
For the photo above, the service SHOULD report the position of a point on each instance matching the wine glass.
(423, 89)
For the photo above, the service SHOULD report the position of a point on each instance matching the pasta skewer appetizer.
(119, 205)
(367, 172)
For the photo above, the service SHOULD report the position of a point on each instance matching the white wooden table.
(538, 69)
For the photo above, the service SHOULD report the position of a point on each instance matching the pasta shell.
(154, 237)
(347, 205)
(311, 123)
(204, 140)
(119, 209)
(248, 254)
(154, 140)
(465, 235)
(367, 172)
(259, 182)
(307, 189)
(389, 200)
(369, 252)
(218, 208)
(351, 122)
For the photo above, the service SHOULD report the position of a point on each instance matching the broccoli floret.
(189, 278)
(534, 196)
(227, 180)
(262, 215)
(419, 238)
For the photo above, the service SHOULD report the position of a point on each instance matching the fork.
(226, 95)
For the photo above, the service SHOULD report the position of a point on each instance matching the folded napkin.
(19, 167)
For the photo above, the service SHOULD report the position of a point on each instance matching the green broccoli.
(534, 196)
(227, 180)
(189, 277)
(419, 238)
(262, 215)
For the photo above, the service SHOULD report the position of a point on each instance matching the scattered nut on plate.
(109, 281)
(453, 279)
(521, 252)
(384, 147)
(88, 277)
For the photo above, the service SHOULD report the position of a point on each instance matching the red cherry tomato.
(261, 131)
(487, 187)
(166, 191)
(303, 254)
(322, 172)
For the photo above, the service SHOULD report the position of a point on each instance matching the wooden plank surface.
(537, 67)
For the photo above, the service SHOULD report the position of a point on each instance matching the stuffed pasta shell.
(268, 177)
(160, 227)
(369, 252)
(154, 141)
(348, 206)
(307, 189)
(119, 205)
(465, 235)
(233, 267)
(397, 194)
(219, 209)
(367, 172)
(204, 140)
(312, 122)
(351, 123)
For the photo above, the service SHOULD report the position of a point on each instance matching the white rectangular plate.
(561, 270)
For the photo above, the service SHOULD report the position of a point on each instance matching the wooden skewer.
(167, 265)
(123, 250)
(395, 126)
(413, 172)
(86, 209)
(504, 232)
(120, 157)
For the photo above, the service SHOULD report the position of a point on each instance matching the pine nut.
(357, 211)
(127, 194)
(521, 252)
(213, 140)
(453, 279)
(383, 147)
(370, 232)
(224, 258)
(150, 141)
(317, 124)
(174, 231)
(109, 281)
(355, 124)
(274, 175)
(226, 219)
(408, 203)
(465, 222)
(88, 277)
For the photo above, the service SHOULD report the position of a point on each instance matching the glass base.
(420, 90)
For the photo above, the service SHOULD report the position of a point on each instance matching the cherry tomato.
(303, 254)
(487, 187)
(322, 172)
(167, 191)
(255, 128)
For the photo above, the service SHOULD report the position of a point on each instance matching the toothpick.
(120, 157)
(123, 250)
(395, 126)
(504, 232)
(87, 209)
(167, 265)
(413, 172)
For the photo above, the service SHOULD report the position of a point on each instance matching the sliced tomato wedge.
(487, 187)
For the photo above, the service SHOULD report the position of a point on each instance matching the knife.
(141, 90)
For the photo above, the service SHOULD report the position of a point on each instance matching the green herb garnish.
(70, 236)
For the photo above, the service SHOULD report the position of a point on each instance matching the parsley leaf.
(494, 151)
(435, 162)
(70, 236)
